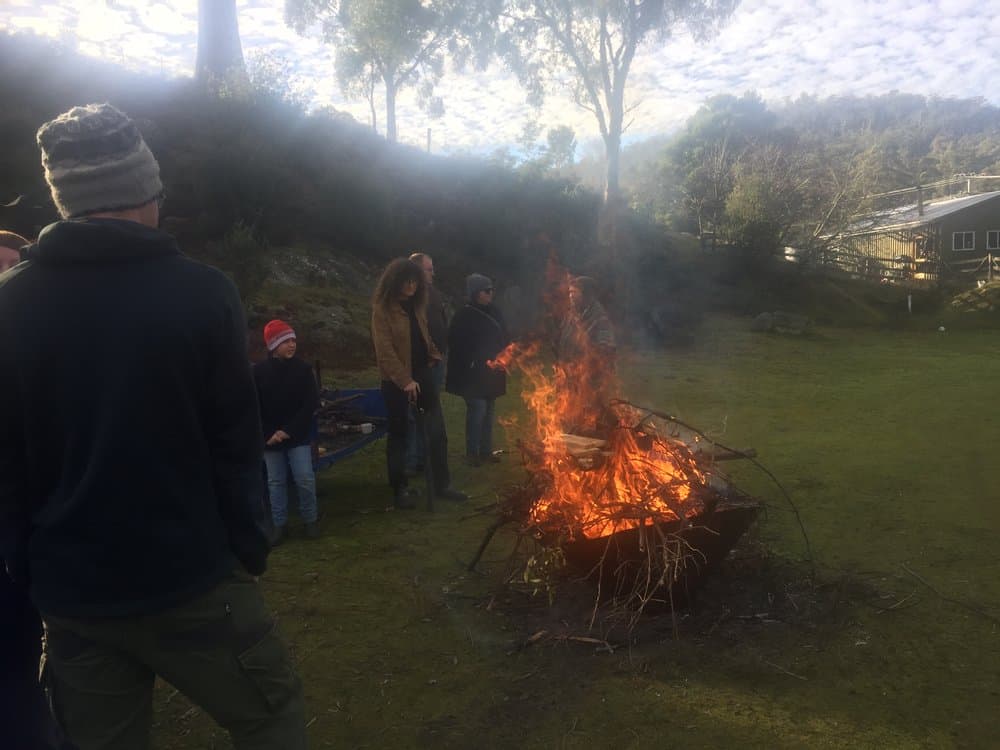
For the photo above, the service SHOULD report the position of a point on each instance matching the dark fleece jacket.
(130, 445)
(288, 399)
(478, 334)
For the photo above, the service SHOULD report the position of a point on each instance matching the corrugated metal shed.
(910, 216)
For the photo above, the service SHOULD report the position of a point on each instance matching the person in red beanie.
(288, 397)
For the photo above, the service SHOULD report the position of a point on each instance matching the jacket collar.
(99, 241)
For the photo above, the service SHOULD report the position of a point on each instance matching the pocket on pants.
(47, 681)
(268, 665)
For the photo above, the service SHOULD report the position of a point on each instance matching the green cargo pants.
(221, 650)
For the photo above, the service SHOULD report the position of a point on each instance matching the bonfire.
(628, 496)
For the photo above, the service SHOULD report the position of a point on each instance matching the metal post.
(428, 463)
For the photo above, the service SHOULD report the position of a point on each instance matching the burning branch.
(610, 490)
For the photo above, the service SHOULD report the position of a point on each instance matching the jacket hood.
(99, 241)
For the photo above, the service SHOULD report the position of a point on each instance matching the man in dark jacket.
(130, 452)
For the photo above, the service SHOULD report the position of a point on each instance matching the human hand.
(279, 436)
(412, 391)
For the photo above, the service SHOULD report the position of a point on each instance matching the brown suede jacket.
(391, 334)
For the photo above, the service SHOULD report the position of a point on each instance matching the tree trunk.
(607, 228)
(390, 111)
(609, 232)
(612, 147)
(220, 54)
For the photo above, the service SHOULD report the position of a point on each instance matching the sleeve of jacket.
(15, 505)
(504, 333)
(432, 348)
(300, 425)
(235, 439)
(459, 357)
(602, 333)
(389, 363)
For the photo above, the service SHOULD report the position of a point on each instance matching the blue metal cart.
(366, 405)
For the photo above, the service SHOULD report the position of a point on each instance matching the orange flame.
(605, 475)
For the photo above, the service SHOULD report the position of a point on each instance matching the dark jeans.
(479, 417)
(221, 650)
(398, 409)
(415, 450)
(25, 721)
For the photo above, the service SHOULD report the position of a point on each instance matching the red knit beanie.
(276, 332)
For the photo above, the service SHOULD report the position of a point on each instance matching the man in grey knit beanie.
(96, 161)
(140, 546)
(476, 283)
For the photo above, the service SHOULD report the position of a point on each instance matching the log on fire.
(586, 450)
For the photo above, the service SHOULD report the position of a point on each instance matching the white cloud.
(781, 48)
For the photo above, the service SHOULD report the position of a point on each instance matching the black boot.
(278, 536)
(402, 499)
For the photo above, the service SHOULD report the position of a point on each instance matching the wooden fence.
(899, 269)
(986, 268)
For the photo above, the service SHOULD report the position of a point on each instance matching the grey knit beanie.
(476, 283)
(96, 160)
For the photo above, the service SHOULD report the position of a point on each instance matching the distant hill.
(877, 143)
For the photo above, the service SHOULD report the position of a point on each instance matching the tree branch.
(569, 48)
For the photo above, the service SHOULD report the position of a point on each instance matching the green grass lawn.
(885, 441)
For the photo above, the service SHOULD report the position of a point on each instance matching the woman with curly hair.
(405, 352)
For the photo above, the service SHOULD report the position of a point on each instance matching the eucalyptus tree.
(394, 44)
(591, 45)
(220, 53)
(700, 164)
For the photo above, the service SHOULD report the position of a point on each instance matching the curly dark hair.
(389, 288)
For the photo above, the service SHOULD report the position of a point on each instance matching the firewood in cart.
(334, 402)
(344, 414)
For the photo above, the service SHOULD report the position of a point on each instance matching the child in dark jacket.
(286, 389)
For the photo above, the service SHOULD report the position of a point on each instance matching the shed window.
(993, 239)
(963, 241)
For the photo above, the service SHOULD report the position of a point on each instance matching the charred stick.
(494, 527)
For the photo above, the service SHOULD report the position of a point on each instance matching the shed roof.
(910, 216)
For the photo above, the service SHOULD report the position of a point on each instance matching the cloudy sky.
(780, 48)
